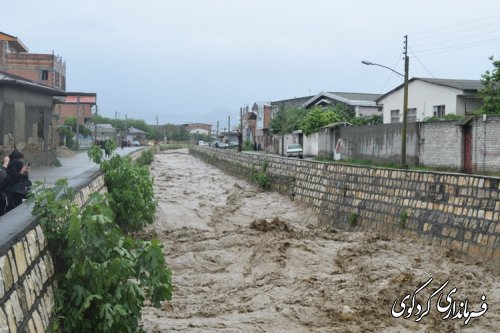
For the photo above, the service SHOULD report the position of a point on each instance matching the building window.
(439, 111)
(394, 116)
(412, 115)
(45, 74)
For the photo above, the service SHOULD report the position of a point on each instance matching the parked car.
(202, 143)
(294, 150)
(218, 144)
(135, 143)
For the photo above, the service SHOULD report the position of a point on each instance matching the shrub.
(103, 277)
(352, 219)
(131, 190)
(403, 217)
(146, 157)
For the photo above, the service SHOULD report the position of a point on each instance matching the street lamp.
(405, 102)
(369, 63)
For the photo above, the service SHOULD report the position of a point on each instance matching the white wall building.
(431, 97)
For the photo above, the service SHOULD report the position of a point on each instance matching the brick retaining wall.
(459, 211)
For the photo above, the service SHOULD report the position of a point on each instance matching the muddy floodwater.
(244, 260)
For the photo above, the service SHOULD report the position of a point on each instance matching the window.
(439, 111)
(394, 116)
(45, 74)
(412, 115)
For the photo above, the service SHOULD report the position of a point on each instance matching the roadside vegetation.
(103, 274)
(171, 146)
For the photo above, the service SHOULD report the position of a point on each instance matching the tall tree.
(490, 93)
(318, 117)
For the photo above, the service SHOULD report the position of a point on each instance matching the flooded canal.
(244, 260)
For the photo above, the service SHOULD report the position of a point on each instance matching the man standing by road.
(240, 140)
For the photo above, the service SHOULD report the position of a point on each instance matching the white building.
(431, 97)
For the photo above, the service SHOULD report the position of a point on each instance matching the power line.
(445, 49)
(440, 30)
(455, 39)
(421, 64)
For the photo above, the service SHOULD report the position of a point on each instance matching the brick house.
(198, 128)
(76, 104)
(263, 111)
(47, 69)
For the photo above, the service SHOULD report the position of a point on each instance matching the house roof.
(14, 80)
(133, 130)
(14, 42)
(471, 86)
(85, 98)
(361, 99)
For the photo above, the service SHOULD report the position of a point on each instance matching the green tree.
(490, 93)
(318, 117)
(287, 120)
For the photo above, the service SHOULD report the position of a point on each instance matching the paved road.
(71, 167)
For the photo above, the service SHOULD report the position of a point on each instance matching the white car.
(294, 150)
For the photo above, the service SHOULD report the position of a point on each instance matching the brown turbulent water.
(244, 260)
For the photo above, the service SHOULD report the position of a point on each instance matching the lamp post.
(405, 99)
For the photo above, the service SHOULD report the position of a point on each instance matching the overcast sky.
(201, 60)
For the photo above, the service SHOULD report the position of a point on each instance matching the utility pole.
(405, 106)
(228, 129)
(77, 121)
(282, 114)
(217, 134)
(126, 129)
(241, 119)
(95, 124)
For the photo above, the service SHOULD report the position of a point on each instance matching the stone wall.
(379, 143)
(486, 144)
(26, 268)
(441, 144)
(458, 211)
(438, 144)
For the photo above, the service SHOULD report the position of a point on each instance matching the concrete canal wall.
(459, 211)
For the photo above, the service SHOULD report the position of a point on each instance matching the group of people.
(14, 181)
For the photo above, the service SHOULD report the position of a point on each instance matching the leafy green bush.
(103, 277)
(403, 217)
(261, 177)
(68, 134)
(446, 117)
(352, 219)
(131, 190)
(146, 157)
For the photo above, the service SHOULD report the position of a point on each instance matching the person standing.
(240, 140)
